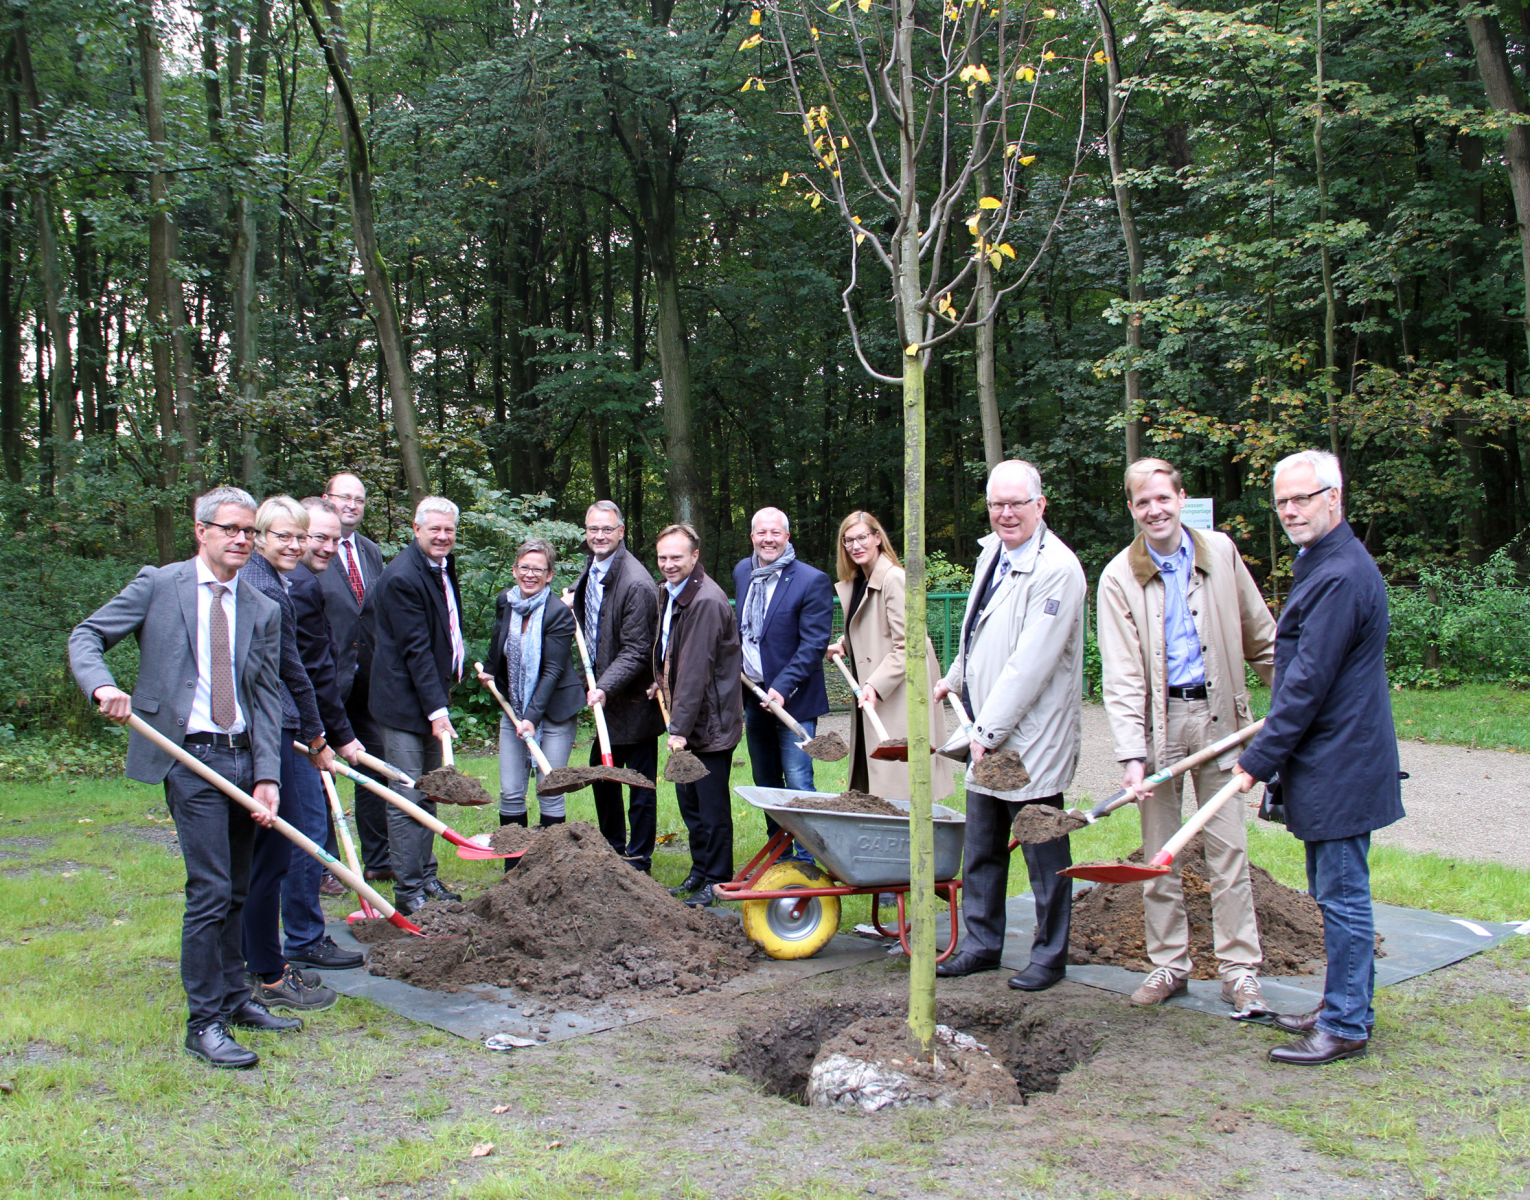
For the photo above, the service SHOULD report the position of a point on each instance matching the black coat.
(702, 669)
(412, 674)
(352, 626)
(316, 647)
(623, 666)
(1329, 733)
(559, 693)
(300, 710)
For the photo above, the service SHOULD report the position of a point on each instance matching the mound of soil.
(826, 747)
(507, 839)
(874, 1064)
(1041, 823)
(1107, 922)
(571, 779)
(574, 920)
(1001, 771)
(450, 786)
(684, 767)
(848, 802)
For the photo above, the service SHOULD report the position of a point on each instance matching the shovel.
(898, 753)
(385, 768)
(959, 745)
(555, 780)
(682, 766)
(447, 785)
(351, 879)
(826, 747)
(1124, 872)
(343, 832)
(466, 847)
(608, 770)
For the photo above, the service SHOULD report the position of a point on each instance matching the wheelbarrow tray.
(861, 849)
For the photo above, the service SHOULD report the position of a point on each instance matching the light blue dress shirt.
(1182, 642)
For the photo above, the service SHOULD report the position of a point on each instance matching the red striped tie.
(354, 574)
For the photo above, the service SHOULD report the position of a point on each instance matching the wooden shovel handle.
(960, 710)
(599, 710)
(448, 759)
(531, 743)
(384, 768)
(786, 718)
(346, 876)
(1194, 825)
(434, 824)
(1215, 750)
(343, 832)
(870, 713)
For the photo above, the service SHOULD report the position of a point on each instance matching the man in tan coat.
(1179, 615)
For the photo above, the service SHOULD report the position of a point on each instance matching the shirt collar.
(1180, 557)
(1023, 552)
(674, 589)
(205, 575)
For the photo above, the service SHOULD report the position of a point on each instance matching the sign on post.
(1198, 513)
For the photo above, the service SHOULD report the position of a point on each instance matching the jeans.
(985, 880)
(777, 761)
(410, 844)
(262, 919)
(217, 839)
(556, 739)
(642, 812)
(305, 805)
(707, 809)
(1339, 879)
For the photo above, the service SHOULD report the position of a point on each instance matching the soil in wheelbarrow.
(1107, 922)
(848, 802)
(450, 786)
(576, 921)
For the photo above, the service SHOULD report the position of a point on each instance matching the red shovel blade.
(471, 850)
(1113, 872)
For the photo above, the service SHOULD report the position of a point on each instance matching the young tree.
(905, 108)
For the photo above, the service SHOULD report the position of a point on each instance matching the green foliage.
(1476, 620)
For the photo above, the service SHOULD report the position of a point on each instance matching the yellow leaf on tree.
(1049, 13)
(750, 42)
(972, 224)
(1099, 57)
(990, 203)
(1049, 56)
(785, 178)
(1026, 73)
(835, 6)
(911, 349)
(996, 260)
(859, 238)
(1027, 160)
(1007, 250)
(814, 30)
(980, 72)
(864, 5)
(1010, 149)
(754, 17)
(817, 200)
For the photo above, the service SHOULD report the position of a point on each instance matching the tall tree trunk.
(1115, 115)
(244, 366)
(1330, 304)
(181, 362)
(10, 302)
(390, 336)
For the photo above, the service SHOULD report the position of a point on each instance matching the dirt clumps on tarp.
(450, 786)
(1107, 922)
(826, 747)
(684, 767)
(509, 839)
(848, 802)
(1001, 771)
(574, 920)
(1036, 823)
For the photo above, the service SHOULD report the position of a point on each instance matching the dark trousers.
(304, 805)
(217, 838)
(262, 920)
(776, 761)
(707, 810)
(985, 880)
(642, 803)
(371, 809)
(411, 845)
(1339, 879)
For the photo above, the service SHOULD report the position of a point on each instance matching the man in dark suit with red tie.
(417, 659)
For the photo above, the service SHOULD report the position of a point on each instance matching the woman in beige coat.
(871, 591)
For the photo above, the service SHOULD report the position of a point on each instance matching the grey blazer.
(160, 607)
(353, 640)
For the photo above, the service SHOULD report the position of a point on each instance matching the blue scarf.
(752, 624)
(523, 653)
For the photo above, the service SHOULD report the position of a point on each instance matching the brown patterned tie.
(221, 668)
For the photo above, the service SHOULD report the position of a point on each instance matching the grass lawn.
(1481, 715)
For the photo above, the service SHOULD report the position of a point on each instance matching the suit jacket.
(300, 710)
(160, 608)
(412, 673)
(316, 647)
(798, 624)
(1329, 732)
(623, 652)
(701, 671)
(559, 693)
(352, 627)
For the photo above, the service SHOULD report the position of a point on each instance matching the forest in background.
(530, 255)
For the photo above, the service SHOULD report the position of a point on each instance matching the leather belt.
(229, 741)
(1194, 692)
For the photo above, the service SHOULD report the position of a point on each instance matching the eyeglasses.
(338, 499)
(606, 529)
(1301, 500)
(231, 531)
(285, 538)
(852, 542)
(524, 569)
(1014, 506)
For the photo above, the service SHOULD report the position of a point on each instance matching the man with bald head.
(785, 614)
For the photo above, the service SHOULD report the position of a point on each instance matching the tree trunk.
(10, 302)
(244, 365)
(390, 337)
(1330, 304)
(988, 391)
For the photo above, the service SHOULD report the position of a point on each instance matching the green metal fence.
(943, 616)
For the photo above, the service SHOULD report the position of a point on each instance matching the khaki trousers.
(1234, 932)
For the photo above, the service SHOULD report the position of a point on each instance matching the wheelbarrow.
(791, 909)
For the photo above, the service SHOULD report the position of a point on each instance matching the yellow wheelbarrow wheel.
(770, 924)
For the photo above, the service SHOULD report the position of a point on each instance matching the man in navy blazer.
(785, 612)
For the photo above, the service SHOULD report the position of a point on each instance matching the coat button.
(191, 683)
(1213, 718)
(180, 722)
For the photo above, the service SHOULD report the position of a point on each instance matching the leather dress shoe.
(1037, 978)
(330, 886)
(410, 906)
(216, 1047)
(436, 890)
(968, 962)
(324, 953)
(1306, 1022)
(702, 897)
(690, 884)
(1316, 1049)
(252, 1014)
(378, 875)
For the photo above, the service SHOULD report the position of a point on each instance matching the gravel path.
(1472, 804)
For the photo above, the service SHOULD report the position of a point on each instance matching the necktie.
(353, 572)
(459, 652)
(994, 581)
(221, 669)
(592, 599)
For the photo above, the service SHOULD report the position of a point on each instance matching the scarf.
(523, 654)
(752, 623)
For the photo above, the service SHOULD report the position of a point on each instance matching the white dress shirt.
(753, 667)
(348, 546)
(459, 648)
(200, 720)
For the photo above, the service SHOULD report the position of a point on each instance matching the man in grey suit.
(209, 654)
(358, 564)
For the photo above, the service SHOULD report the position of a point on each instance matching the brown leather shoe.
(1306, 1022)
(1316, 1049)
(379, 875)
(330, 886)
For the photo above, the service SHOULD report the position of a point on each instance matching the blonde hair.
(273, 509)
(847, 567)
(1146, 468)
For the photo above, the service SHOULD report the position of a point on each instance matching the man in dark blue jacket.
(785, 611)
(1329, 737)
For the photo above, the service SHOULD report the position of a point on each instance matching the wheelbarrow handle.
(871, 713)
(785, 717)
(532, 744)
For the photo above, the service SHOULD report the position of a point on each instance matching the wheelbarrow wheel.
(771, 925)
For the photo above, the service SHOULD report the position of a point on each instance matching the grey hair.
(1016, 466)
(208, 505)
(436, 504)
(1323, 464)
(320, 504)
(606, 506)
(536, 545)
(785, 520)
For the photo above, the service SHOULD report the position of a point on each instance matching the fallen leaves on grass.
(498, 1109)
(482, 1150)
(555, 1145)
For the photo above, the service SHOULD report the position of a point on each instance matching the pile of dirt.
(508, 839)
(848, 802)
(874, 1064)
(826, 747)
(573, 920)
(571, 779)
(1107, 922)
(684, 767)
(1036, 823)
(1001, 771)
(450, 786)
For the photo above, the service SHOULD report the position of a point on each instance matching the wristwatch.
(317, 744)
